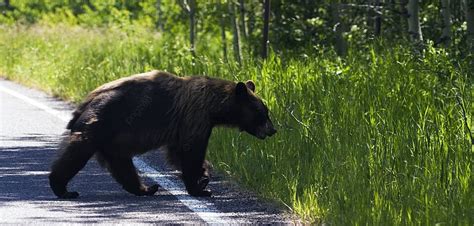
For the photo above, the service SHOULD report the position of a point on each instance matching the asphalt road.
(31, 124)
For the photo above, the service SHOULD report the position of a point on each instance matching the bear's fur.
(136, 114)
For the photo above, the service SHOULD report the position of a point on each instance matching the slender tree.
(159, 22)
(189, 6)
(266, 20)
(446, 14)
(469, 10)
(414, 28)
(236, 31)
(377, 19)
(242, 18)
(7, 6)
(340, 45)
(403, 19)
(192, 25)
(223, 36)
(90, 5)
(369, 22)
(251, 20)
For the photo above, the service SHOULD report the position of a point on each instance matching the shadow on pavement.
(24, 178)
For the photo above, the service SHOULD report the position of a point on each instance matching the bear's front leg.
(195, 185)
(195, 170)
(205, 178)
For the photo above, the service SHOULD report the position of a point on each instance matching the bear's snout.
(266, 130)
(271, 132)
(269, 129)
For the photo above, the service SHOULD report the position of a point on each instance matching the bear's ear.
(241, 90)
(250, 85)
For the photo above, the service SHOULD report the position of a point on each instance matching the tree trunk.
(414, 28)
(369, 21)
(250, 22)
(446, 14)
(403, 19)
(266, 20)
(236, 32)
(469, 4)
(223, 36)
(159, 22)
(340, 45)
(189, 6)
(242, 18)
(377, 19)
(192, 25)
(90, 5)
(7, 7)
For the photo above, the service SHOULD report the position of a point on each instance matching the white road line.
(61, 115)
(205, 210)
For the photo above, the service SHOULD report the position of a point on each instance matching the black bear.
(136, 114)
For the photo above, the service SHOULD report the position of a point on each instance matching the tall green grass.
(379, 137)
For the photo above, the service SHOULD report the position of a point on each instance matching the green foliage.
(378, 137)
(295, 25)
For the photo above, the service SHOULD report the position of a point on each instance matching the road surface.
(31, 124)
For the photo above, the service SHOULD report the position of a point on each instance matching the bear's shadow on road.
(24, 178)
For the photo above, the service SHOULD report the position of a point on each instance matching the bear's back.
(125, 92)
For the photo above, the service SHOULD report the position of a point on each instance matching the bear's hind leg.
(74, 157)
(125, 173)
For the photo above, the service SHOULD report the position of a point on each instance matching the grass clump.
(381, 136)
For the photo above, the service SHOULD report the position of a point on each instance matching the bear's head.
(253, 113)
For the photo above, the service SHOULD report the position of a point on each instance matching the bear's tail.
(75, 116)
(78, 112)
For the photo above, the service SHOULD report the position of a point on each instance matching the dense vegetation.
(379, 134)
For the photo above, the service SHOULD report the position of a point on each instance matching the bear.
(143, 112)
